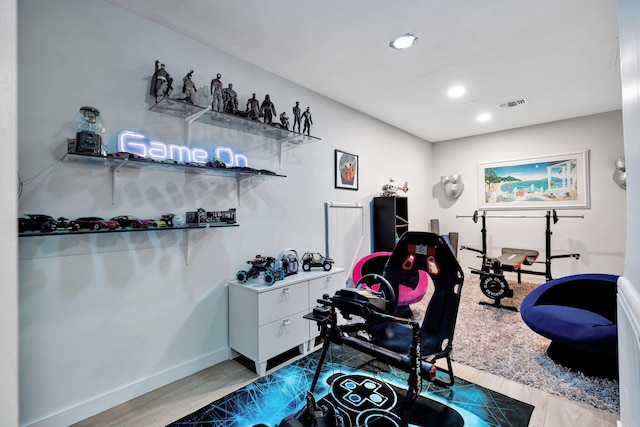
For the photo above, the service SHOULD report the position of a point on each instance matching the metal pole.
(520, 216)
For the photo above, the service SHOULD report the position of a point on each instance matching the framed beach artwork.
(346, 170)
(549, 182)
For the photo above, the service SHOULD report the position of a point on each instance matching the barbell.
(555, 216)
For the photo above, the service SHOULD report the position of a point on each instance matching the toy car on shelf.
(66, 224)
(37, 222)
(261, 264)
(97, 223)
(158, 222)
(216, 163)
(132, 221)
(168, 219)
(315, 259)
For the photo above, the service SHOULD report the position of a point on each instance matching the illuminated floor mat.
(363, 393)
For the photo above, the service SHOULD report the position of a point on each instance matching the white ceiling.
(562, 55)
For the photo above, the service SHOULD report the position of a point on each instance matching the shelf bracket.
(114, 169)
(189, 120)
(238, 182)
(186, 246)
(281, 143)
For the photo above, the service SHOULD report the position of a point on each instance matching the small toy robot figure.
(284, 121)
(161, 82)
(297, 111)
(230, 98)
(253, 108)
(306, 116)
(216, 91)
(267, 109)
(189, 88)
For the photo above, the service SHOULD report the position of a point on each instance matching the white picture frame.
(559, 181)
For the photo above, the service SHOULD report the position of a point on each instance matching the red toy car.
(97, 223)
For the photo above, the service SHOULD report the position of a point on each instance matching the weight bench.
(512, 259)
(492, 281)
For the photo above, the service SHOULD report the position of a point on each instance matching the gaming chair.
(429, 252)
(385, 336)
(374, 329)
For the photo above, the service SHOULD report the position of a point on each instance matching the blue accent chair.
(578, 314)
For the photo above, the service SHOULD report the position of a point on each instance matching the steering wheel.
(389, 295)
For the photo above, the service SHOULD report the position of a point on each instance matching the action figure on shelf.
(267, 109)
(161, 82)
(284, 120)
(230, 98)
(216, 91)
(306, 116)
(253, 108)
(297, 111)
(189, 88)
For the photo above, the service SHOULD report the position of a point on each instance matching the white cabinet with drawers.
(265, 321)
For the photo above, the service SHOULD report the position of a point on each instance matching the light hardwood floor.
(171, 402)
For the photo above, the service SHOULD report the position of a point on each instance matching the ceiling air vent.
(514, 103)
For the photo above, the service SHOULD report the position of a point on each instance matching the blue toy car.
(261, 264)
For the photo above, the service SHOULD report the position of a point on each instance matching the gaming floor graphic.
(364, 394)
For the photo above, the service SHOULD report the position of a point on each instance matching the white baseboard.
(114, 398)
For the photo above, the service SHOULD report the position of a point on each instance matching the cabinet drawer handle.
(287, 322)
(330, 278)
(286, 290)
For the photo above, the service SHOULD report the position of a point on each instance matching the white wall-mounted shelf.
(115, 163)
(187, 229)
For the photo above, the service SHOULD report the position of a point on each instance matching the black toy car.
(37, 222)
(261, 264)
(132, 221)
(66, 224)
(315, 259)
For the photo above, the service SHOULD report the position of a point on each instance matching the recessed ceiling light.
(456, 91)
(403, 42)
(484, 117)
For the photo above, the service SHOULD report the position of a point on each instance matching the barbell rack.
(491, 272)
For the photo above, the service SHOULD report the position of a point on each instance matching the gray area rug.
(496, 340)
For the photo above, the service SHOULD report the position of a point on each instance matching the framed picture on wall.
(346, 170)
(546, 182)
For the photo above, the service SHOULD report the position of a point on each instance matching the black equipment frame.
(492, 280)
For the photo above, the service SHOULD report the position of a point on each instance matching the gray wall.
(104, 319)
(107, 318)
(599, 237)
(8, 240)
